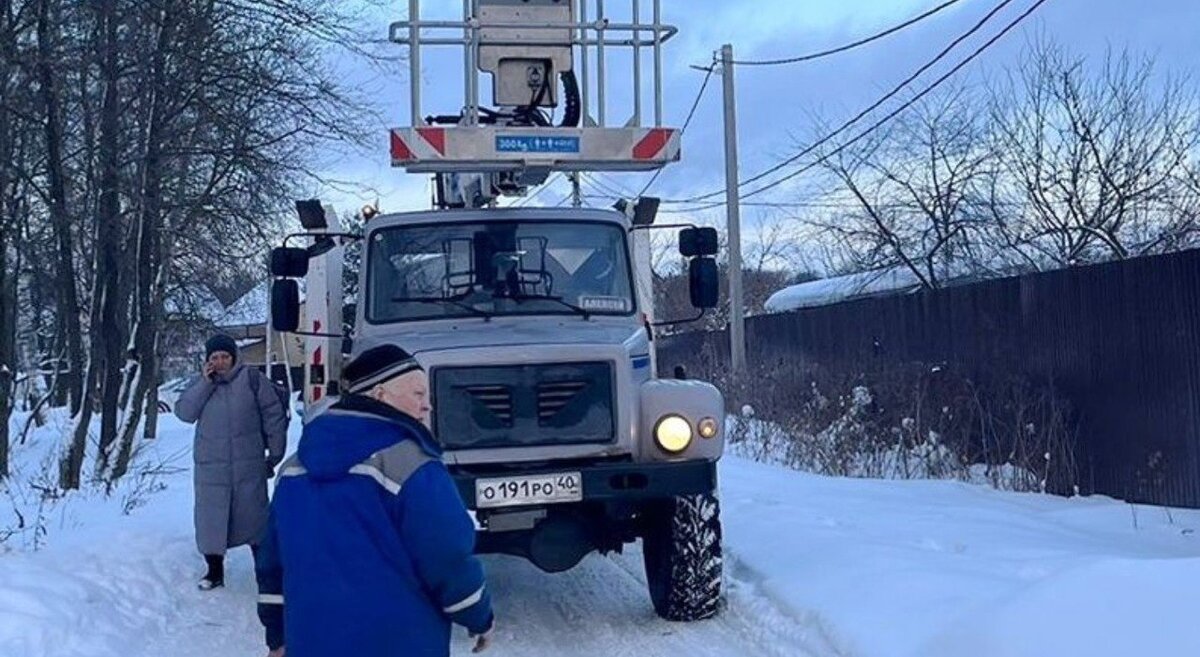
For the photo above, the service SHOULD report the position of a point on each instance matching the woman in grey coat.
(241, 435)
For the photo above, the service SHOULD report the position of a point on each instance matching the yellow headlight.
(673, 434)
(708, 428)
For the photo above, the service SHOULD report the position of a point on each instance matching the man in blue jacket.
(369, 550)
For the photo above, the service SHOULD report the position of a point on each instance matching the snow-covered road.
(816, 566)
(109, 585)
(599, 609)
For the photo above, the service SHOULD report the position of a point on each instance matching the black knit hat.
(378, 365)
(220, 342)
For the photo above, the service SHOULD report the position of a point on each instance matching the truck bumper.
(615, 482)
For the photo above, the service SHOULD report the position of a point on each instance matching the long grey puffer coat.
(237, 431)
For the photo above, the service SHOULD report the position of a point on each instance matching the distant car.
(168, 394)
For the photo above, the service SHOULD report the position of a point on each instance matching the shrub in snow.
(900, 421)
(32, 504)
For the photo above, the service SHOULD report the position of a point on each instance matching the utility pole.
(576, 191)
(737, 316)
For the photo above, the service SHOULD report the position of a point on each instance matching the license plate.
(524, 491)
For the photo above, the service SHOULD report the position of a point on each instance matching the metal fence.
(1120, 340)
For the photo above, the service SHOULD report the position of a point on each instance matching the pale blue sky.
(774, 103)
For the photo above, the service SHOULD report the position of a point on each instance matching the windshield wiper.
(454, 302)
(587, 314)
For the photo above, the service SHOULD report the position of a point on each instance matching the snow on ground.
(817, 566)
(941, 568)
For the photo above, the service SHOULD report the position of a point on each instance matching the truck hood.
(536, 342)
(505, 333)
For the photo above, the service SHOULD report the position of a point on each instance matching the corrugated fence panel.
(1121, 341)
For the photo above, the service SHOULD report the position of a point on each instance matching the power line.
(688, 121)
(850, 46)
(912, 101)
(600, 184)
(599, 194)
(893, 205)
(786, 205)
(878, 124)
(541, 190)
(861, 115)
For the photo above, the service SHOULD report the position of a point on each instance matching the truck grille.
(524, 405)
(497, 399)
(553, 397)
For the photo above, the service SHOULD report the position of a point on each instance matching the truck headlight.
(708, 428)
(673, 434)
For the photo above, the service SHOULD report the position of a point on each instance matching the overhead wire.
(786, 205)
(876, 125)
(857, 117)
(600, 193)
(687, 122)
(599, 183)
(540, 190)
(850, 46)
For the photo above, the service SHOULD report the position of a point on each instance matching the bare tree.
(1095, 162)
(68, 329)
(9, 247)
(145, 143)
(141, 369)
(911, 192)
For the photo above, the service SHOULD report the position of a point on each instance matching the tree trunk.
(67, 293)
(105, 329)
(8, 321)
(8, 333)
(153, 365)
(107, 334)
(149, 266)
(8, 272)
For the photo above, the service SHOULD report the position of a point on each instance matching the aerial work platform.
(541, 55)
(489, 149)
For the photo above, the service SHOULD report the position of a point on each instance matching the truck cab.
(536, 325)
(540, 355)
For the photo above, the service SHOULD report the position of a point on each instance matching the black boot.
(215, 577)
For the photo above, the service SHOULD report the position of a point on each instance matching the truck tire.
(681, 546)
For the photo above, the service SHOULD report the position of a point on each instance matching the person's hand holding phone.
(209, 370)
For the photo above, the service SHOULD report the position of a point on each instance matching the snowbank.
(923, 568)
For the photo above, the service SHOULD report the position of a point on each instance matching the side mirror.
(704, 283)
(289, 262)
(698, 242)
(312, 214)
(285, 305)
(644, 210)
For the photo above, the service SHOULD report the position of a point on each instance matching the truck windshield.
(490, 269)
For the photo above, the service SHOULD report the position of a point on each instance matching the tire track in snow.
(598, 609)
(601, 608)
